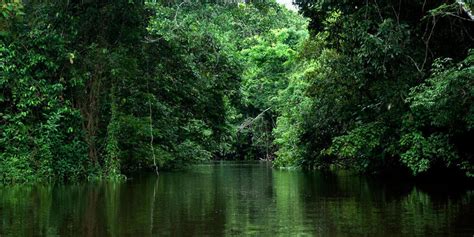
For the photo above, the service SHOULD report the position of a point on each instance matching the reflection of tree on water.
(236, 200)
(367, 205)
(90, 219)
(153, 204)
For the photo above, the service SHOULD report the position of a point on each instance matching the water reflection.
(236, 199)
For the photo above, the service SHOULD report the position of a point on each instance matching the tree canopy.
(100, 89)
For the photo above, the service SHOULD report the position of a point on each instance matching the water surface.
(227, 199)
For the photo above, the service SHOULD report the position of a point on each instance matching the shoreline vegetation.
(103, 89)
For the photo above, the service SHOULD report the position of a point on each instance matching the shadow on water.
(228, 198)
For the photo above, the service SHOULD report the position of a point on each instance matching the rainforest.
(236, 117)
(102, 89)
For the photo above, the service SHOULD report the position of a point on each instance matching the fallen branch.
(250, 122)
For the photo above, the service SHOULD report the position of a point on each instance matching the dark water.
(237, 199)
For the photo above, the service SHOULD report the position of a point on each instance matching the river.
(235, 199)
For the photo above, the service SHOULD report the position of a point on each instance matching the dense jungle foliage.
(93, 89)
(381, 86)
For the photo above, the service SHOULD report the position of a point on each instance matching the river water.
(235, 199)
